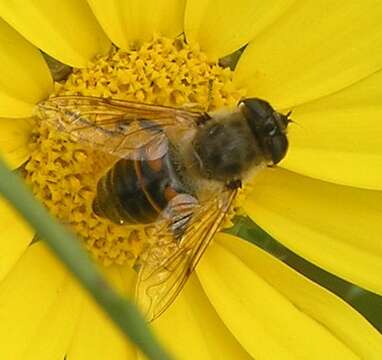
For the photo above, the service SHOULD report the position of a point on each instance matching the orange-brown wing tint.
(121, 128)
(169, 261)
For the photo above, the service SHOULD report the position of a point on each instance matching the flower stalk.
(68, 249)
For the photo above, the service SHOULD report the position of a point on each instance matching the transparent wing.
(167, 264)
(121, 128)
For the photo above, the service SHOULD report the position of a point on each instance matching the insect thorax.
(225, 148)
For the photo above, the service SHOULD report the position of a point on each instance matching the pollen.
(63, 174)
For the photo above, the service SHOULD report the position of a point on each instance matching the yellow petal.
(14, 140)
(31, 297)
(338, 138)
(335, 315)
(66, 30)
(191, 328)
(16, 235)
(55, 332)
(335, 227)
(221, 27)
(24, 76)
(265, 322)
(96, 337)
(127, 22)
(315, 49)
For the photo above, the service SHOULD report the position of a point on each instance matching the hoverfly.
(178, 169)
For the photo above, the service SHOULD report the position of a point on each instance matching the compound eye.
(278, 148)
(270, 127)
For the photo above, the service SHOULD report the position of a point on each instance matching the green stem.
(68, 249)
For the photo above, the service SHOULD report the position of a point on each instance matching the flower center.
(64, 174)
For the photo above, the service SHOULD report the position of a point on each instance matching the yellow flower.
(325, 202)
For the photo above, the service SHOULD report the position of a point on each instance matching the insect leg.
(179, 212)
(234, 184)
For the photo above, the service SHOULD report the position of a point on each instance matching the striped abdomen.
(136, 191)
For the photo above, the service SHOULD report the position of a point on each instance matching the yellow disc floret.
(64, 174)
